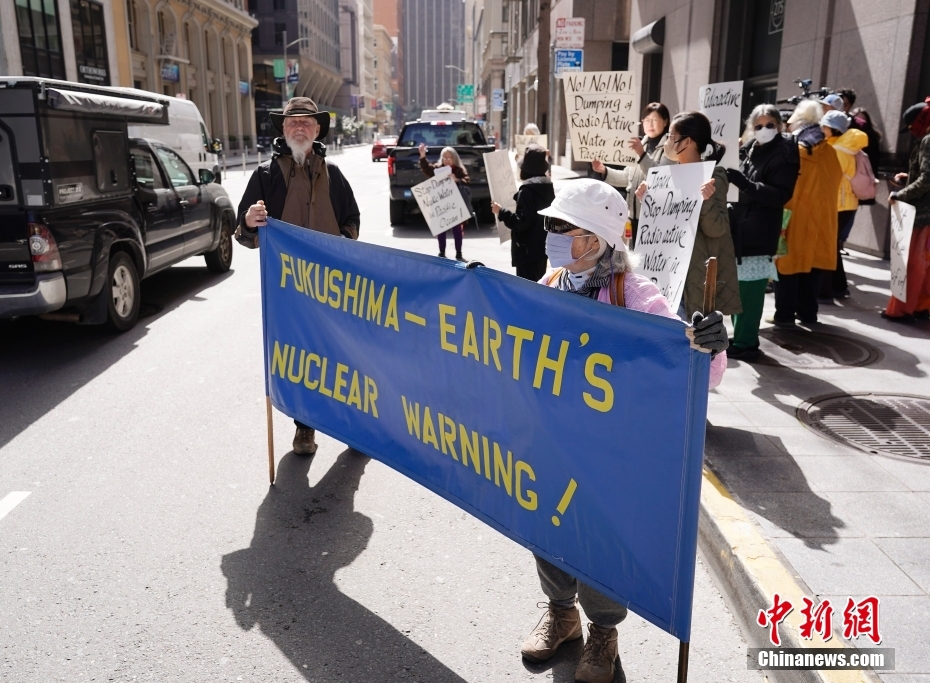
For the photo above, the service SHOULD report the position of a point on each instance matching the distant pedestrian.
(766, 177)
(585, 246)
(849, 99)
(530, 129)
(528, 234)
(847, 143)
(916, 191)
(812, 229)
(650, 151)
(449, 157)
(298, 186)
(689, 141)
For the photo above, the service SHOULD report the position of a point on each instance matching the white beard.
(299, 150)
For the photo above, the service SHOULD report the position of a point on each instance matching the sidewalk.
(843, 522)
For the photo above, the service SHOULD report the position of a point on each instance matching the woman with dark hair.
(528, 232)
(689, 141)
(915, 189)
(862, 120)
(767, 173)
(650, 151)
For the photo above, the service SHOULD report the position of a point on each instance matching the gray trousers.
(557, 585)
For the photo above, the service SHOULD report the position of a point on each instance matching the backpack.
(863, 183)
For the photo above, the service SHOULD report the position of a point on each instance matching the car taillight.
(44, 249)
(390, 163)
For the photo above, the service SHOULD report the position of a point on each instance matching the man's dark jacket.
(528, 238)
(267, 183)
(771, 171)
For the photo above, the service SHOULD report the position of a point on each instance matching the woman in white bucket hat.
(585, 246)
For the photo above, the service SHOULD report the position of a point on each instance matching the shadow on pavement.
(284, 582)
(758, 470)
(44, 362)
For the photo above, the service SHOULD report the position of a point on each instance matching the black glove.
(737, 178)
(708, 332)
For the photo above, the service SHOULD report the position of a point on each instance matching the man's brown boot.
(558, 625)
(599, 658)
(304, 441)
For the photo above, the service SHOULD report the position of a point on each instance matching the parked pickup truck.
(404, 163)
(86, 212)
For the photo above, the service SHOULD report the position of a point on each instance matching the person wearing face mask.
(766, 177)
(651, 152)
(585, 246)
(449, 157)
(689, 141)
(811, 234)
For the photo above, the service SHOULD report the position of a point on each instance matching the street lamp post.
(287, 45)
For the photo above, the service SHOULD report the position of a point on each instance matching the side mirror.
(206, 176)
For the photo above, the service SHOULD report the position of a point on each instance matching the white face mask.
(765, 135)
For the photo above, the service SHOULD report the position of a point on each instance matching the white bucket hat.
(593, 205)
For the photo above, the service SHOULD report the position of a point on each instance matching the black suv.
(87, 212)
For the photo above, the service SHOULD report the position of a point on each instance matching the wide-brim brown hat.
(302, 106)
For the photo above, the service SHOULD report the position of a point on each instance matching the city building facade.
(432, 37)
(383, 80)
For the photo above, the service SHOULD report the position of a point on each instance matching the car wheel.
(122, 292)
(220, 259)
(398, 210)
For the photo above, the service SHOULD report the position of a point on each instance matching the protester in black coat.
(528, 232)
(768, 171)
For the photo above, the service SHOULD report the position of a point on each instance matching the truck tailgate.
(15, 259)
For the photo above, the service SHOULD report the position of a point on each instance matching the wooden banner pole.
(710, 286)
(270, 439)
(683, 648)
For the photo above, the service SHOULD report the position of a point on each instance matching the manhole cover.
(887, 424)
(798, 348)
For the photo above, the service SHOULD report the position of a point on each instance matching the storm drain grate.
(799, 348)
(887, 424)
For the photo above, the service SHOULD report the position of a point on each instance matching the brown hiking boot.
(599, 658)
(304, 441)
(558, 625)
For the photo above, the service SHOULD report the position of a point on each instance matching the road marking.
(414, 318)
(11, 500)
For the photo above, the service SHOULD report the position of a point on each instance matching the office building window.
(278, 4)
(90, 42)
(132, 22)
(279, 29)
(40, 38)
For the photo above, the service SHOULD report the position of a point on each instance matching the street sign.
(497, 99)
(568, 61)
(569, 33)
(481, 104)
(465, 93)
(293, 70)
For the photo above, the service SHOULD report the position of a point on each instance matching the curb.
(751, 572)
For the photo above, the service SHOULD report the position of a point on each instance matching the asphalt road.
(151, 548)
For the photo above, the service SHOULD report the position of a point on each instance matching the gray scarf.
(610, 264)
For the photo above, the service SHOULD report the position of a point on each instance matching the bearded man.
(300, 187)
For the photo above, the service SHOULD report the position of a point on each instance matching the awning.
(87, 103)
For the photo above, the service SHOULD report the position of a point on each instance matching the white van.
(186, 134)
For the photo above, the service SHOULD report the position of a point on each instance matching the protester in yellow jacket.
(812, 229)
(847, 143)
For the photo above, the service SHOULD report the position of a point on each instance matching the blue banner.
(574, 427)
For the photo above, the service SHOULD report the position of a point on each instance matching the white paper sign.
(722, 103)
(902, 225)
(441, 203)
(502, 184)
(521, 142)
(668, 223)
(602, 108)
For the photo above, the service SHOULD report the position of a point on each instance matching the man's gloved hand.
(707, 333)
(737, 178)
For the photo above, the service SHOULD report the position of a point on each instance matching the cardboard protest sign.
(441, 203)
(360, 342)
(722, 103)
(521, 142)
(602, 108)
(902, 226)
(502, 184)
(668, 223)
